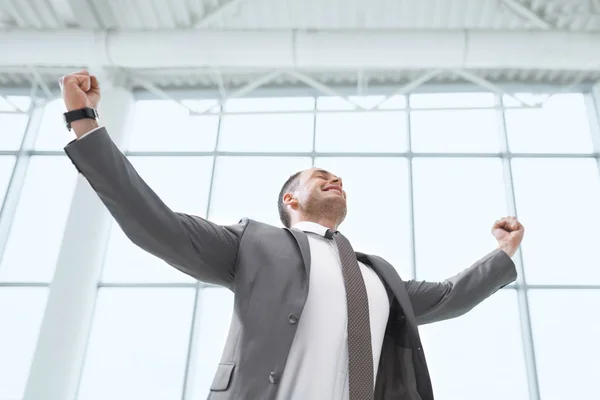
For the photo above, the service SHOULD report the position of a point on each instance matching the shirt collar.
(313, 227)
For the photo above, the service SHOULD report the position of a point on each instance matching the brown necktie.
(360, 354)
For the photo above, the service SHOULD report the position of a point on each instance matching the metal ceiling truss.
(469, 76)
(15, 108)
(220, 83)
(323, 88)
(42, 83)
(326, 90)
(410, 86)
(305, 78)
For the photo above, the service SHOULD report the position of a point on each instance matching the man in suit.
(313, 319)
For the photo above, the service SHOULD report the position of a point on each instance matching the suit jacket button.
(293, 318)
(273, 377)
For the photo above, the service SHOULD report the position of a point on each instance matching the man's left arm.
(438, 301)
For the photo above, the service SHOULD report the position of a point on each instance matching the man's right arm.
(197, 247)
(193, 245)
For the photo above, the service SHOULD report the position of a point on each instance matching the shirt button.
(293, 318)
(273, 377)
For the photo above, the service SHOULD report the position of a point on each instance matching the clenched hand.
(80, 90)
(509, 232)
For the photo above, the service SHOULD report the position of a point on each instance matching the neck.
(326, 222)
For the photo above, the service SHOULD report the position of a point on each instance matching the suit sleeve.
(438, 301)
(199, 248)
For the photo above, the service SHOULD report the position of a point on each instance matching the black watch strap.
(82, 113)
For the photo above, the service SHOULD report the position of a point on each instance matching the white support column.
(61, 346)
(594, 114)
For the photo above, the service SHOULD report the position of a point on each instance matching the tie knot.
(329, 234)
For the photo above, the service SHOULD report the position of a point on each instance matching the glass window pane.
(7, 164)
(53, 135)
(566, 328)
(215, 309)
(479, 355)
(275, 132)
(378, 207)
(138, 344)
(14, 103)
(21, 312)
(456, 203)
(560, 126)
(12, 129)
(249, 187)
(558, 202)
(468, 131)
(268, 132)
(451, 100)
(40, 218)
(250, 104)
(183, 184)
(161, 125)
(361, 131)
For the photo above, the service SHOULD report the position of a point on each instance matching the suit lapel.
(391, 279)
(302, 241)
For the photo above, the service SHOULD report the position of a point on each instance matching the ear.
(290, 200)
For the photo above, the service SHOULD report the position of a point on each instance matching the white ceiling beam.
(155, 15)
(104, 13)
(15, 14)
(29, 13)
(47, 14)
(182, 15)
(288, 49)
(524, 12)
(213, 15)
(84, 15)
(22, 14)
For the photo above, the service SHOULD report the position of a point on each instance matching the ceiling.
(128, 15)
(302, 14)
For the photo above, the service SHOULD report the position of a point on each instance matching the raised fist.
(509, 233)
(80, 90)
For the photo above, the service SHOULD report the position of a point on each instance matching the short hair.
(289, 186)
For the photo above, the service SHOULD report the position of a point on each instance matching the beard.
(317, 205)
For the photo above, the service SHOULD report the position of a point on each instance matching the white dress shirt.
(317, 365)
(87, 133)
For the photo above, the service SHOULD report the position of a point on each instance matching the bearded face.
(320, 194)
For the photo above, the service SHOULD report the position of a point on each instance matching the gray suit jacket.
(267, 268)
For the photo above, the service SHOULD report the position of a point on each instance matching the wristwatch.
(82, 113)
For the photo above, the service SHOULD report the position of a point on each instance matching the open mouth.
(335, 189)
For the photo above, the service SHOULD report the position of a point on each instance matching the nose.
(337, 181)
